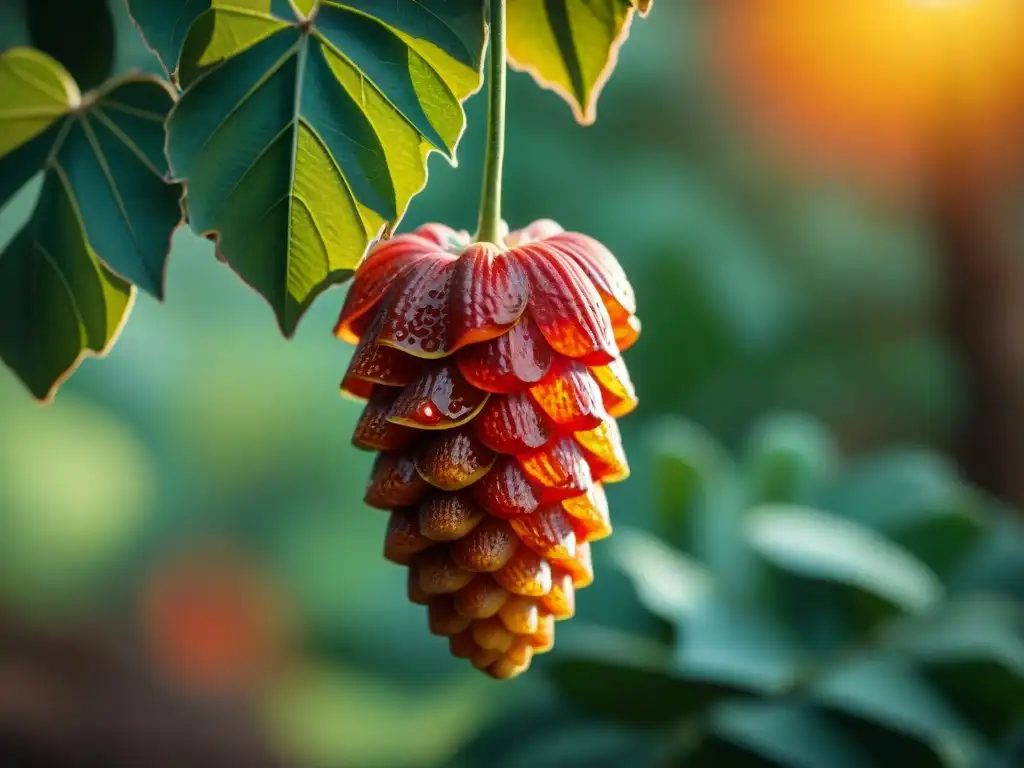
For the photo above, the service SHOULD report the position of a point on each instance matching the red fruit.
(493, 380)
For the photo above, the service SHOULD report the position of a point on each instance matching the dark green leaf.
(106, 214)
(916, 499)
(544, 736)
(302, 138)
(819, 547)
(895, 484)
(891, 694)
(570, 46)
(1010, 752)
(974, 652)
(77, 33)
(998, 563)
(737, 645)
(716, 639)
(57, 300)
(632, 681)
(164, 25)
(782, 735)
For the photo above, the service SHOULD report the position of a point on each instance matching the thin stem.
(489, 230)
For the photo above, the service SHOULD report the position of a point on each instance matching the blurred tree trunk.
(85, 699)
(984, 319)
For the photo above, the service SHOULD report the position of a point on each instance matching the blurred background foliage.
(812, 612)
(193, 501)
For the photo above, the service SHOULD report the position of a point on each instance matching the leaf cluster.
(293, 133)
(819, 615)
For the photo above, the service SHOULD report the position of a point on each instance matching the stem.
(490, 230)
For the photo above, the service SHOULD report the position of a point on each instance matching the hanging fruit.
(491, 371)
(492, 377)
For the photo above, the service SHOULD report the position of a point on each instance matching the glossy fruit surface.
(492, 378)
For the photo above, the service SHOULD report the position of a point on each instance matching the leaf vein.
(127, 141)
(108, 175)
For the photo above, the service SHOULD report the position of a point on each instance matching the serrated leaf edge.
(214, 235)
(81, 102)
(585, 114)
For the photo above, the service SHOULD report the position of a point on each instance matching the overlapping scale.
(403, 540)
(439, 398)
(439, 574)
(506, 491)
(600, 266)
(378, 364)
(482, 598)
(590, 513)
(617, 392)
(580, 566)
(448, 516)
(559, 471)
(492, 382)
(603, 451)
(520, 615)
(548, 532)
(570, 397)
(487, 548)
(454, 459)
(394, 482)
(560, 602)
(526, 573)
(416, 320)
(509, 363)
(488, 295)
(375, 276)
(356, 389)
(374, 432)
(443, 618)
(513, 424)
(567, 307)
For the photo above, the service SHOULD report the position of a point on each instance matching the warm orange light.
(892, 87)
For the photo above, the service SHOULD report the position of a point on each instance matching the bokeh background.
(182, 531)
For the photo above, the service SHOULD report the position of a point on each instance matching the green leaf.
(302, 137)
(998, 563)
(104, 219)
(570, 46)
(820, 547)
(738, 645)
(689, 464)
(546, 735)
(716, 639)
(889, 693)
(974, 652)
(58, 302)
(629, 680)
(789, 457)
(164, 24)
(667, 582)
(916, 499)
(77, 33)
(742, 734)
